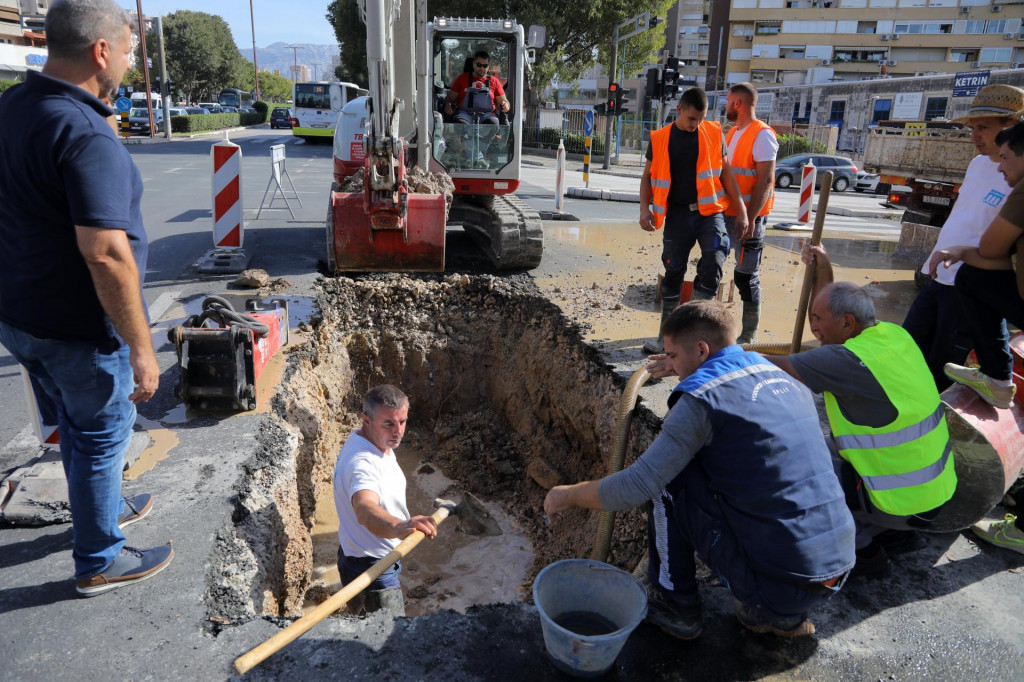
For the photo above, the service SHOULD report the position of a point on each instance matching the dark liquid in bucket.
(586, 623)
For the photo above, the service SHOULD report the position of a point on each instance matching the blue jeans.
(351, 568)
(684, 228)
(748, 258)
(939, 327)
(990, 299)
(693, 521)
(95, 419)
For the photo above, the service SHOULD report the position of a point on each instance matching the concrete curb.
(204, 133)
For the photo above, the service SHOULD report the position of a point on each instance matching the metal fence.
(543, 128)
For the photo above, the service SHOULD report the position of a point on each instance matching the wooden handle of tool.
(805, 290)
(262, 652)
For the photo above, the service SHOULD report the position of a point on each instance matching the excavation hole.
(505, 401)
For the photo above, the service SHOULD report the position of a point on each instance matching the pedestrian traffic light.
(670, 78)
(621, 100)
(599, 108)
(653, 88)
(613, 99)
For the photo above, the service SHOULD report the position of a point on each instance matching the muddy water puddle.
(609, 285)
(452, 571)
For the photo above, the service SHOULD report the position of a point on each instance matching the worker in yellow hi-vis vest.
(890, 441)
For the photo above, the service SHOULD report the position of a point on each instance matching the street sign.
(588, 124)
(130, 89)
(120, 91)
(967, 83)
(124, 104)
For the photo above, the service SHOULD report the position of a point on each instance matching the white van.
(139, 100)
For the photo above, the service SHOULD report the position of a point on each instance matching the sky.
(290, 21)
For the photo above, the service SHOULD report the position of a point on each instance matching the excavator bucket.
(354, 245)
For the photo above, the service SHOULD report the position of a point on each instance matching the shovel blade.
(472, 517)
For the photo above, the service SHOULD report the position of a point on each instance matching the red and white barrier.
(227, 195)
(41, 411)
(803, 214)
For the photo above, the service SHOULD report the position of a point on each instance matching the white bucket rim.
(598, 565)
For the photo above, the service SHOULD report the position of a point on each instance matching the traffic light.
(653, 89)
(621, 100)
(613, 99)
(599, 108)
(670, 78)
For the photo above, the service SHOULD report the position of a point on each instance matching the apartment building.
(797, 42)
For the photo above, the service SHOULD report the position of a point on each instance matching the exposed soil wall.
(516, 399)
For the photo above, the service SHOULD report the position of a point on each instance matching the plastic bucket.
(582, 591)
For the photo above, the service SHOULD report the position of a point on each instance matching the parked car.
(869, 182)
(228, 110)
(179, 111)
(138, 121)
(246, 110)
(197, 110)
(281, 117)
(787, 170)
(211, 107)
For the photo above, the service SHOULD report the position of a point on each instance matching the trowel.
(473, 519)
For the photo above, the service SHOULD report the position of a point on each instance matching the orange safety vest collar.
(711, 197)
(744, 168)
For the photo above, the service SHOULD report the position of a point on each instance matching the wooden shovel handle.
(262, 652)
(805, 290)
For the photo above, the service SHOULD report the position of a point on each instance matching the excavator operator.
(477, 94)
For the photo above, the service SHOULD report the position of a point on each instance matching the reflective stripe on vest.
(919, 477)
(907, 465)
(867, 441)
(710, 194)
(744, 168)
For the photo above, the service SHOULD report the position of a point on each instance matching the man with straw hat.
(935, 319)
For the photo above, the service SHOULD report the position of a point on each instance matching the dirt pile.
(515, 399)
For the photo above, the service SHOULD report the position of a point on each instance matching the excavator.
(400, 129)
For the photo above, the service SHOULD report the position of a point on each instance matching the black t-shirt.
(683, 150)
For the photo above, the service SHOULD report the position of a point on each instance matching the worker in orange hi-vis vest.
(686, 187)
(752, 147)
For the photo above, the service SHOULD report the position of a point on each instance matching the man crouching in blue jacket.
(740, 473)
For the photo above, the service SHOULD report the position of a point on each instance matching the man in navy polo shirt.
(72, 257)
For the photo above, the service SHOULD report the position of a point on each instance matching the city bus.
(233, 97)
(317, 106)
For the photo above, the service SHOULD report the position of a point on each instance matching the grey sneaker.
(680, 619)
(131, 566)
(135, 508)
(754, 620)
(991, 392)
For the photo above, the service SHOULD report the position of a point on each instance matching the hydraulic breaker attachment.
(222, 353)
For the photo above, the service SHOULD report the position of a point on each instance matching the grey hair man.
(71, 306)
(369, 493)
(889, 440)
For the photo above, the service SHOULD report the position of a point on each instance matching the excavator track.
(508, 230)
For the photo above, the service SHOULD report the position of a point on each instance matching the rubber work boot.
(752, 618)
(699, 295)
(658, 345)
(1001, 533)
(751, 319)
(390, 599)
(992, 392)
(872, 562)
(896, 542)
(681, 619)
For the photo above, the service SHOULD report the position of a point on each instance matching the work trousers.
(693, 520)
(940, 329)
(684, 228)
(748, 258)
(95, 418)
(989, 299)
(868, 519)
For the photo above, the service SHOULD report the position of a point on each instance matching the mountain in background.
(278, 57)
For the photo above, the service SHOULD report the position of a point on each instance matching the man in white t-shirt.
(752, 147)
(369, 493)
(935, 319)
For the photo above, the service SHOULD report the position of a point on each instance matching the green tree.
(201, 55)
(350, 31)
